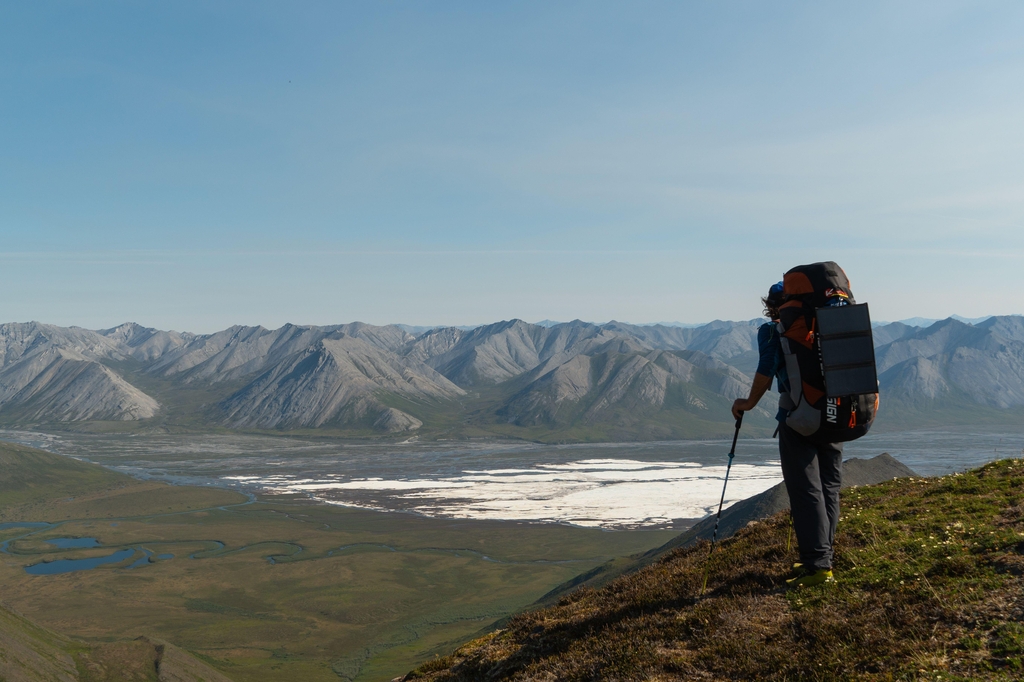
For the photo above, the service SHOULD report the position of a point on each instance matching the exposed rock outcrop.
(968, 364)
(334, 382)
(144, 343)
(593, 387)
(52, 373)
(60, 385)
(394, 421)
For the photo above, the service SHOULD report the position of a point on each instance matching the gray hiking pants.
(813, 474)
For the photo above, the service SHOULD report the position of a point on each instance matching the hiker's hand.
(742, 405)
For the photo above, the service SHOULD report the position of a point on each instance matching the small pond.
(71, 565)
(24, 524)
(59, 566)
(73, 543)
(145, 560)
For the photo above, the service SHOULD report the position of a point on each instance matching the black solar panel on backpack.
(847, 350)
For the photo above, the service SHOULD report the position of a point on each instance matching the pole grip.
(735, 435)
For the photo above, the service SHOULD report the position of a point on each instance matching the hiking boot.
(796, 572)
(810, 578)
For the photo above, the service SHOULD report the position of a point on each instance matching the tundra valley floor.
(265, 588)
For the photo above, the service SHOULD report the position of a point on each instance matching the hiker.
(812, 471)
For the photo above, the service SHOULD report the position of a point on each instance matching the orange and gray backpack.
(829, 354)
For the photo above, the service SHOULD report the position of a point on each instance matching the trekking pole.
(718, 518)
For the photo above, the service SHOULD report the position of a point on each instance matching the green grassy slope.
(30, 652)
(28, 475)
(929, 587)
(40, 486)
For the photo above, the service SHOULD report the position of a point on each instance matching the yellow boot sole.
(811, 579)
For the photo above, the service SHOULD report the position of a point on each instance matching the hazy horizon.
(911, 321)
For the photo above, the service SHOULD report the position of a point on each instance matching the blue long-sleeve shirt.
(770, 361)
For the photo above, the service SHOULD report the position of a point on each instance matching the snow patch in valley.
(606, 493)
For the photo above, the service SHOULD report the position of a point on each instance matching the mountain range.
(552, 381)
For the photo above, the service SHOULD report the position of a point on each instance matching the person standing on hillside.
(812, 471)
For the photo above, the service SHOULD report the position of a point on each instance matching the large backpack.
(829, 353)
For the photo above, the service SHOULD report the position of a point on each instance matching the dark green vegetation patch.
(929, 587)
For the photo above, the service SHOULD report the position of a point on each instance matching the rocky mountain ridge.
(954, 361)
(506, 378)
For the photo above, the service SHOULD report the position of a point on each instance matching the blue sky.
(194, 165)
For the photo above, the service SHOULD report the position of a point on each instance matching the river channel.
(610, 485)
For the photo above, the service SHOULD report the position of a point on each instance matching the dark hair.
(771, 308)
